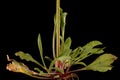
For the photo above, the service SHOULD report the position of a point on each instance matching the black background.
(87, 20)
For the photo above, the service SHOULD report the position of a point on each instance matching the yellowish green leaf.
(102, 63)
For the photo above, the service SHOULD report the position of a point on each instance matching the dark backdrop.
(22, 21)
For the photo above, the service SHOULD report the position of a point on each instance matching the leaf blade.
(102, 63)
(89, 50)
(28, 57)
(25, 56)
(41, 50)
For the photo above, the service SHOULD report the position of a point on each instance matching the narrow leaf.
(76, 52)
(92, 44)
(89, 49)
(41, 49)
(53, 38)
(48, 58)
(81, 63)
(40, 71)
(63, 23)
(37, 69)
(97, 50)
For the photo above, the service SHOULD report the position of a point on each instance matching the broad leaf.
(48, 58)
(102, 63)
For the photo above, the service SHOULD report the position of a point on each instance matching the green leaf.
(40, 71)
(63, 58)
(26, 56)
(81, 63)
(63, 23)
(67, 43)
(41, 49)
(63, 19)
(52, 64)
(97, 50)
(48, 58)
(92, 44)
(102, 63)
(89, 50)
(65, 48)
(65, 52)
(76, 52)
(66, 60)
(89, 47)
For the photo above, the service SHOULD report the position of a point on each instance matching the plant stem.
(57, 27)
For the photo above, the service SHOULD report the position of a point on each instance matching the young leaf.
(63, 23)
(65, 48)
(81, 63)
(67, 43)
(102, 63)
(48, 58)
(37, 69)
(40, 71)
(41, 49)
(65, 52)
